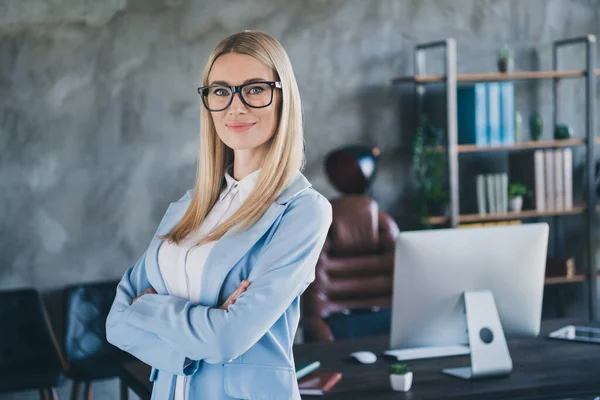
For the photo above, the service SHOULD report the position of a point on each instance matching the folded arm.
(281, 273)
(146, 346)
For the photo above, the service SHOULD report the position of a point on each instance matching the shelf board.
(473, 218)
(540, 144)
(495, 76)
(555, 280)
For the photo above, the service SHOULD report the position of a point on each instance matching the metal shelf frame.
(449, 78)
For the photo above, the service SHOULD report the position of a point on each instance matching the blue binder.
(493, 93)
(472, 114)
(507, 113)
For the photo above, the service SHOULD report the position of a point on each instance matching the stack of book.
(548, 174)
(486, 114)
(311, 381)
(492, 194)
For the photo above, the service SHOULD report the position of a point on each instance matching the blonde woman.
(213, 303)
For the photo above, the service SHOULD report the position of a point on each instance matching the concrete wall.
(99, 113)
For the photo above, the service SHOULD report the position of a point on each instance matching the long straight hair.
(284, 159)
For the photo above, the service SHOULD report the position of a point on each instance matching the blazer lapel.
(173, 215)
(231, 248)
(227, 251)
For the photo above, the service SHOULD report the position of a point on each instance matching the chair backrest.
(27, 341)
(86, 307)
(356, 266)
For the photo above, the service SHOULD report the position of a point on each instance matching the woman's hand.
(231, 299)
(150, 290)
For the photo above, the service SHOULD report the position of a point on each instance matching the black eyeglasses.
(253, 94)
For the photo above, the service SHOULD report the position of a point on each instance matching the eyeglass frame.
(238, 89)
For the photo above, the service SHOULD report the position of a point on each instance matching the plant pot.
(536, 126)
(506, 65)
(562, 132)
(515, 204)
(518, 126)
(401, 383)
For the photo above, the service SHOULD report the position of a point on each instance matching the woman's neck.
(246, 162)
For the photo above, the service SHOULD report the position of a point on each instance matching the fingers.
(150, 290)
(240, 289)
(233, 297)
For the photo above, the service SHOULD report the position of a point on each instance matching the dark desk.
(543, 369)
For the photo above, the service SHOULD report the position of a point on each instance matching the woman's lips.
(240, 126)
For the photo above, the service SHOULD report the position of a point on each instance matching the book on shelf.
(472, 114)
(550, 180)
(318, 382)
(486, 114)
(481, 194)
(560, 267)
(507, 113)
(495, 186)
(548, 174)
(493, 114)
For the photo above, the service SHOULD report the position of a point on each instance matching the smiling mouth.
(240, 126)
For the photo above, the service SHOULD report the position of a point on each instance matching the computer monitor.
(434, 272)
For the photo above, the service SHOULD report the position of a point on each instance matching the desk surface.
(543, 369)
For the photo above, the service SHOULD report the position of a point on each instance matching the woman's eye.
(221, 92)
(255, 90)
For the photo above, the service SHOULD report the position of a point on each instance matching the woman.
(213, 304)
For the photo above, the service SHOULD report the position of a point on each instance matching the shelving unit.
(470, 218)
(532, 145)
(451, 78)
(497, 76)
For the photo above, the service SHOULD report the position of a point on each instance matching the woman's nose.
(237, 106)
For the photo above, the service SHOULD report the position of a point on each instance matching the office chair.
(352, 292)
(30, 357)
(88, 353)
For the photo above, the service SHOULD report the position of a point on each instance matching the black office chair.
(88, 353)
(30, 357)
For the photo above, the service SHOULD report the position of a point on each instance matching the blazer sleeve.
(146, 346)
(280, 274)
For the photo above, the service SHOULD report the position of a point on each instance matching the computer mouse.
(364, 357)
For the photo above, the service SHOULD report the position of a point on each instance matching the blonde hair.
(282, 163)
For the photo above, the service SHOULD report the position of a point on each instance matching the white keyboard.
(417, 353)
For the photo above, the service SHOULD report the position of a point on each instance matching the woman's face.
(239, 126)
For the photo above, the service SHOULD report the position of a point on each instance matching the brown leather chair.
(356, 265)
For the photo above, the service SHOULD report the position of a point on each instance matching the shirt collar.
(243, 187)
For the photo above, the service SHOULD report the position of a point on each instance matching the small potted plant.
(400, 377)
(505, 59)
(516, 192)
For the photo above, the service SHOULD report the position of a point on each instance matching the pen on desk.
(307, 369)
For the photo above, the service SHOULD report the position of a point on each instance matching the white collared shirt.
(181, 265)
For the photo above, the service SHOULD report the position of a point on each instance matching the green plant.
(517, 189)
(429, 166)
(505, 53)
(399, 369)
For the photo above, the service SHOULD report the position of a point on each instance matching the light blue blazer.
(244, 352)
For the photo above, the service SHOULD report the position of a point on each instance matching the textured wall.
(99, 114)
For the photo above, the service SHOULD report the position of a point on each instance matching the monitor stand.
(489, 352)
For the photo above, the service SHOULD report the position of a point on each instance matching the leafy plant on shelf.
(518, 189)
(398, 369)
(505, 53)
(429, 165)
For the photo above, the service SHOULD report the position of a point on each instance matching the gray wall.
(99, 114)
